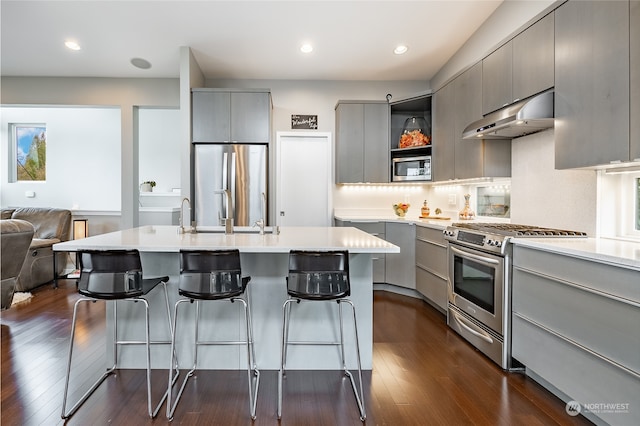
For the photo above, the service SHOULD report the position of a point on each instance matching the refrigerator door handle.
(232, 185)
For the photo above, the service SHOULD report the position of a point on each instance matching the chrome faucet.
(228, 220)
(181, 229)
(261, 222)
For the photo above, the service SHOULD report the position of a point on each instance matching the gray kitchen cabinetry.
(634, 133)
(456, 105)
(431, 266)
(520, 68)
(497, 74)
(575, 328)
(362, 141)
(592, 93)
(221, 115)
(443, 142)
(400, 268)
(533, 58)
(376, 229)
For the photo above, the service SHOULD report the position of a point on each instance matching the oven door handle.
(460, 320)
(474, 256)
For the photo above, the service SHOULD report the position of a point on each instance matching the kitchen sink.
(236, 230)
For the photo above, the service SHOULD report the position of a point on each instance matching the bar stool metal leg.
(253, 374)
(357, 390)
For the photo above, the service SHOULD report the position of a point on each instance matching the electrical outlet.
(30, 194)
(452, 199)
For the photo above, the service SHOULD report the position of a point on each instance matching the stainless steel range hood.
(522, 118)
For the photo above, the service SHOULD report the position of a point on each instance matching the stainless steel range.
(479, 287)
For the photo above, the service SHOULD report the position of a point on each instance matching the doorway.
(303, 179)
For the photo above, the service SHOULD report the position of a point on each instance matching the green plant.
(150, 182)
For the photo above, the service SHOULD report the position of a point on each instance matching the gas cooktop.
(494, 237)
(514, 230)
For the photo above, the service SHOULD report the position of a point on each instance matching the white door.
(303, 179)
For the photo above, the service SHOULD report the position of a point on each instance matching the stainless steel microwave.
(411, 168)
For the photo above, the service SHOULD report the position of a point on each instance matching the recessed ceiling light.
(399, 50)
(72, 45)
(306, 48)
(143, 64)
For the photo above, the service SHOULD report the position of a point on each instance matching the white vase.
(146, 187)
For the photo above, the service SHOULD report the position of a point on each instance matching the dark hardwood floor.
(423, 374)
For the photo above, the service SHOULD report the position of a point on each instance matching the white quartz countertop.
(430, 223)
(167, 239)
(612, 251)
(609, 250)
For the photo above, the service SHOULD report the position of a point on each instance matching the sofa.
(51, 226)
(15, 239)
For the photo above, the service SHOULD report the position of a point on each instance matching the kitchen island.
(265, 259)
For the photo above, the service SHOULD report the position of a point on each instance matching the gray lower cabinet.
(575, 327)
(220, 115)
(400, 268)
(362, 141)
(592, 95)
(376, 229)
(431, 266)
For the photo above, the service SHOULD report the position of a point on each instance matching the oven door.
(476, 285)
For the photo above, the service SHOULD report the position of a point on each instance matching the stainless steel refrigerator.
(240, 169)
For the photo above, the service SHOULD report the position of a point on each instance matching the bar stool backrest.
(113, 274)
(207, 274)
(318, 275)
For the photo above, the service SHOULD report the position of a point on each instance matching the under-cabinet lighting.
(621, 170)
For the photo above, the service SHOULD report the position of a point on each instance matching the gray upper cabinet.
(520, 68)
(443, 154)
(634, 148)
(362, 141)
(592, 83)
(497, 72)
(231, 116)
(469, 154)
(456, 105)
(533, 57)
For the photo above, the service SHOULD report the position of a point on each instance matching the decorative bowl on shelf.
(415, 133)
(400, 209)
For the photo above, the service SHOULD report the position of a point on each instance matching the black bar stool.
(115, 275)
(214, 275)
(319, 276)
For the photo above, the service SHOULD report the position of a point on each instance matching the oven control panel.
(481, 240)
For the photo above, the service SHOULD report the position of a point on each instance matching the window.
(30, 152)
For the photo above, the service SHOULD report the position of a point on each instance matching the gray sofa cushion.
(15, 239)
(51, 226)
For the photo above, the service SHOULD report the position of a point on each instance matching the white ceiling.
(353, 40)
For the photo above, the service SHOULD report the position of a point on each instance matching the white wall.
(83, 159)
(508, 19)
(159, 148)
(544, 196)
(125, 94)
